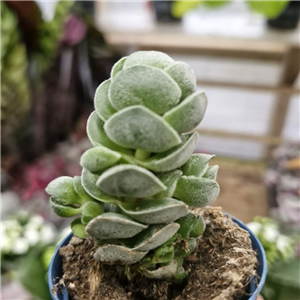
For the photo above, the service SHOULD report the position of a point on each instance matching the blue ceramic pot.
(55, 268)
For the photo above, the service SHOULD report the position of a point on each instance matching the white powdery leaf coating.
(117, 67)
(156, 211)
(137, 127)
(62, 189)
(97, 135)
(88, 181)
(197, 165)
(144, 85)
(169, 179)
(162, 272)
(99, 158)
(129, 181)
(195, 191)
(102, 104)
(211, 172)
(173, 158)
(119, 254)
(183, 74)
(157, 238)
(113, 226)
(188, 114)
(150, 58)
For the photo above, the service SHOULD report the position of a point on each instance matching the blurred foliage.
(49, 35)
(282, 281)
(15, 94)
(270, 9)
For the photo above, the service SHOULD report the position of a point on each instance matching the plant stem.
(141, 154)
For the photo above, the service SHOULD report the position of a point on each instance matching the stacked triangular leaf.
(141, 176)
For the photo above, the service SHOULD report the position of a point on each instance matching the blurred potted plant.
(281, 14)
(143, 228)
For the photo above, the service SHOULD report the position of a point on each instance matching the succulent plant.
(141, 176)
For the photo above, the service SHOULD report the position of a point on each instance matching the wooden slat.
(268, 140)
(287, 89)
(189, 44)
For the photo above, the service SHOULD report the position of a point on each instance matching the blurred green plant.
(27, 243)
(270, 9)
(15, 93)
(282, 281)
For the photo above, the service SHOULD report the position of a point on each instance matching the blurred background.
(245, 55)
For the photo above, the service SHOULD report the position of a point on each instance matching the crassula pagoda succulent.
(141, 177)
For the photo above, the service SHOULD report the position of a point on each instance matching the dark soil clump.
(219, 270)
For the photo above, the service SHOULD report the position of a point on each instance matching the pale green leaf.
(184, 76)
(150, 58)
(120, 254)
(99, 158)
(197, 164)
(117, 67)
(155, 211)
(137, 127)
(169, 179)
(153, 237)
(89, 180)
(211, 172)
(113, 226)
(144, 85)
(98, 137)
(102, 105)
(163, 272)
(188, 114)
(129, 181)
(195, 191)
(90, 210)
(173, 158)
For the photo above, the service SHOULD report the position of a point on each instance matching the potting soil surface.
(219, 269)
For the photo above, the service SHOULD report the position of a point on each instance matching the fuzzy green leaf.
(118, 67)
(62, 189)
(188, 114)
(156, 211)
(99, 158)
(102, 104)
(139, 128)
(90, 210)
(119, 254)
(186, 225)
(64, 211)
(150, 58)
(130, 181)
(113, 226)
(78, 228)
(98, 137)
(154, 236)
(211, 172)
(144, 85)
(89, 183)
(198, 227)
(197, 165)
(184, 76)
(78, 188)
(195, 191)
(173, 158)
(169, 179)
